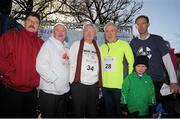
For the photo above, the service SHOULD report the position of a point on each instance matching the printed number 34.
(89, 67)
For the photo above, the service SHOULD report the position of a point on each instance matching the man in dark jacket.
(158, 53)
(18, 76)
(5, 10)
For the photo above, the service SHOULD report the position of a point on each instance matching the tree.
(22, 7)
(100, 12)
(43, 7)
(120, 12)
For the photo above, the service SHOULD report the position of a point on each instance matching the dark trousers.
(112, 101)
(17, 104)
(159, 97)
(52, 105)
(84, 99)
(157, 87)
(169, 103)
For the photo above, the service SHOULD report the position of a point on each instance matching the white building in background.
(75, 32)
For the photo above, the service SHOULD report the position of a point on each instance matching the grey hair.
(89, 25)
(110, 24)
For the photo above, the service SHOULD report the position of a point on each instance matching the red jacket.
(18, 51)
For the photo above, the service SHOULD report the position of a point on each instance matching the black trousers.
(17, 104)
(85, 100)
(53, 105)
(157, 87)
(112, 99)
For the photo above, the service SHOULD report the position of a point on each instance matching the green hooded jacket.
(138, 93)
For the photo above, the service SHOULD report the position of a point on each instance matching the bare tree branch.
(100, 12)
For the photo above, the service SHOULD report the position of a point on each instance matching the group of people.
(28, 64)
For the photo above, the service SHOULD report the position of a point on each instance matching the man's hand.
(65, 56)
(174, 88)
(125, 113)
(154, 115)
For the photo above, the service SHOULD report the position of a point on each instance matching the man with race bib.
(85, 74)
(114, 52)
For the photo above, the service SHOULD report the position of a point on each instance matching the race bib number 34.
(90, 63)
(109, 64)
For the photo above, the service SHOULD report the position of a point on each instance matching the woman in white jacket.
(53, 66)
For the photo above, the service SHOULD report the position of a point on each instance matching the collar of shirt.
(140, 76)
(145, 37)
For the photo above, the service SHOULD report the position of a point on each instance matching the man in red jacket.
(18, 76)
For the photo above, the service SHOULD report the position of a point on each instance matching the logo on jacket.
(144, 51)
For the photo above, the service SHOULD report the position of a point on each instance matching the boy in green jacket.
(138, 96)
